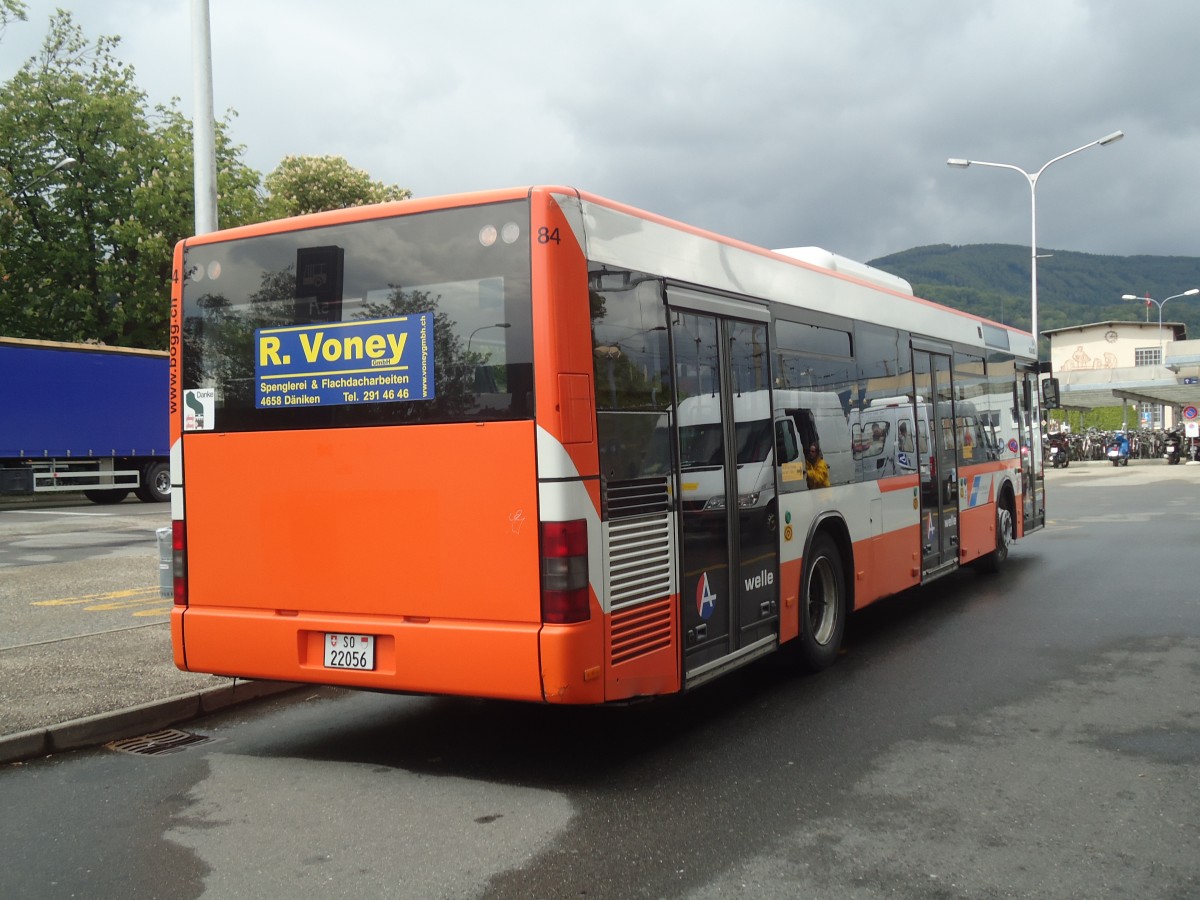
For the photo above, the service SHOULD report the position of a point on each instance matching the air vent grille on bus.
(641, 630)
(639, 560)
(637, 497)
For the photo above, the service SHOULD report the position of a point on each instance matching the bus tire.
(156, 483)
(822, 605)
(992, 562)
(106, 497)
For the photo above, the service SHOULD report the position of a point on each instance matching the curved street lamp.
(471, 337)
(1160, 304)
(63, 164)
(1032, 178)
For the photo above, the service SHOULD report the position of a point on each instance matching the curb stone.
(92, 731)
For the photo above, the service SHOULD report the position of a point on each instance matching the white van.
(820, 418)
(884, 435)
(799, 419)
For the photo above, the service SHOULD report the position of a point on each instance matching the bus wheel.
(156, 483)
(992, 562)
(823, 605)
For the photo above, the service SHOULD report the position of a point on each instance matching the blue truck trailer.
(84, 418)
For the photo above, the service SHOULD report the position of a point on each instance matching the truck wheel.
(106, 497)
(822, 606)
(156, 483)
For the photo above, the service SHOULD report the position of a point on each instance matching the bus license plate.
(349, 651)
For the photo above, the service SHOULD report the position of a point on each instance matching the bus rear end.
(355, 456)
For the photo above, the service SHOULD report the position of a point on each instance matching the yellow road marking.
(134, 599)
(122, 604)
(89, 598)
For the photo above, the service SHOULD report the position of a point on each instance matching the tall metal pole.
(203, 122)
(1033, 301)
(1032, 178)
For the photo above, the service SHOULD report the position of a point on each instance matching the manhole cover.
(158, 742)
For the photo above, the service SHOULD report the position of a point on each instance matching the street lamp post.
(1160, 304)
(471, 337)
(65, 163)
(1032, 178)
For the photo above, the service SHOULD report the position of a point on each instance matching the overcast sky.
(778, 122)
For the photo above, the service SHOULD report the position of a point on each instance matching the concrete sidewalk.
(78, 692)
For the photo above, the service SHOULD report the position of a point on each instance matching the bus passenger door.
(1029, 428)
(725, 437)
(937, 451)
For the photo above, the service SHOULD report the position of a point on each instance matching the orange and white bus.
(534, 444)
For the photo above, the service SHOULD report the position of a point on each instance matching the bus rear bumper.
(469, 658)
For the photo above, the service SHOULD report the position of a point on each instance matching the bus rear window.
(408, 319)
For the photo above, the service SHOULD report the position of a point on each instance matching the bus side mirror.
(1050, 397)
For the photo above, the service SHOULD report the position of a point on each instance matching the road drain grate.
(158, 742)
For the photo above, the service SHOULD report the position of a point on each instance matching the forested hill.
(992, 280)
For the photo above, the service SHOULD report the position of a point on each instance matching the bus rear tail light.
(179, 561)
(565, 572)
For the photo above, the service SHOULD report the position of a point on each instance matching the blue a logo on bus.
(331, 364)
(706, 599)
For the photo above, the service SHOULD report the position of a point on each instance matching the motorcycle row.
(1118, 447)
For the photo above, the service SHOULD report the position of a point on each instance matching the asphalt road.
(83, 628)
(65, 559)
(1031, 734)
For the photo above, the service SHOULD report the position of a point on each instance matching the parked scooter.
(1173, 450)
(1118, 451)
(1060, 456)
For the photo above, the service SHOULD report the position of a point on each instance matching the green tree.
(10, 11)
(85, 253)
(308, 184)
(238, 185)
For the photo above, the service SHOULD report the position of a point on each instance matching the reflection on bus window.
(869, 438)
(885, 437)
(819, 420)
(816, 470)
(632, 374)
